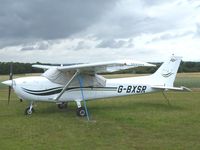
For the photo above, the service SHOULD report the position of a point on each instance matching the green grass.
(132, 122)
(188, 79)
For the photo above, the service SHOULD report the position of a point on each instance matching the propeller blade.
(10, 78)
(11, 72)
(9, 92)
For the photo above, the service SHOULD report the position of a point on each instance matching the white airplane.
(62, 84)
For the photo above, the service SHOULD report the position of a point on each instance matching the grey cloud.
(198, 29)
(169, 36)
(43, 46)
(155, 2)
(130, 43)
(27, 48)
(26, 21)
(13, 41)
(130, 26)
(111, 43)
(124, 23)
(166, 36)
(47, 19)
(36, 46)
(81, 45)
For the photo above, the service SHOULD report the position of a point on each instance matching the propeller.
(10, 78)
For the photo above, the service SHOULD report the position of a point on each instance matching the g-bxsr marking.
(132, 89)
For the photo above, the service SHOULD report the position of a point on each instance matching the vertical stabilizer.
(166, 74)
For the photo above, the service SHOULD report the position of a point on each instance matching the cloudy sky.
(66, 31)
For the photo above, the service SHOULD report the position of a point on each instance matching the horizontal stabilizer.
(182, 88)
(186, 89)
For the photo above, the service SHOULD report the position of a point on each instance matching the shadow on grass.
(51, 109)
(134, 106)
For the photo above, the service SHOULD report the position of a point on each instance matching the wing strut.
(66, 86)
(81, 88)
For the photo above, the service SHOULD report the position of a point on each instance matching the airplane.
(81, 82)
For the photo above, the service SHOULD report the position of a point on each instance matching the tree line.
(185, 67)
(21, 68)
(18, 68)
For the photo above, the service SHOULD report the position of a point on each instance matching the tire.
(28, 111)
(62, 105)
(81, 112)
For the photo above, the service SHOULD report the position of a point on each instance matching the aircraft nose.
(7, 82)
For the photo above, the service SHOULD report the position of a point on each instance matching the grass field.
(132, 122)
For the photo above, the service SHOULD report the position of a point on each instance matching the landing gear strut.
(29, 110)
(80, 111)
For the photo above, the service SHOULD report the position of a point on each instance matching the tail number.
(132, 89)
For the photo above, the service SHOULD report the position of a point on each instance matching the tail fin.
(166, 74)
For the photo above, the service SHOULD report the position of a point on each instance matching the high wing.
(100, 67)
(63, 74)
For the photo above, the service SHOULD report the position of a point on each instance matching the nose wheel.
(29, 110)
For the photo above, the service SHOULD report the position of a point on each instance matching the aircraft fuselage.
(39, 88)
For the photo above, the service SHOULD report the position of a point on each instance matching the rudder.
(166, 74)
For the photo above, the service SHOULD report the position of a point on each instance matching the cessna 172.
(61, 84)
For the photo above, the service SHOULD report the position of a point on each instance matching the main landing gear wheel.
(29, 111)
(62, 105)
(81, 112)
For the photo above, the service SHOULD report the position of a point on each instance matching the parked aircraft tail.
(166, 74)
